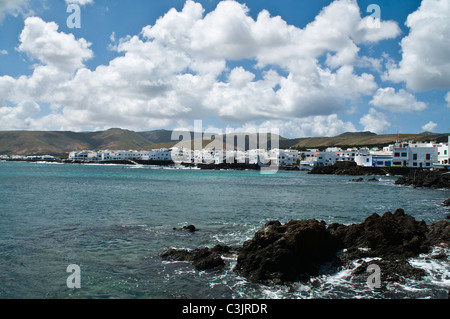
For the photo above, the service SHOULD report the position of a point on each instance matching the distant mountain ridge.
(61, 142)
(366, 133)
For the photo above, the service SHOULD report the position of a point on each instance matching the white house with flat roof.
(374, 159)
(411, 154)
(83, 156)
(444, 153)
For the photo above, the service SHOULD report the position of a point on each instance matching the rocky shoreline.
(426, 178)
(350, 168)
(408, 176)
(300, 249)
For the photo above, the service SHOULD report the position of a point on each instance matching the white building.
(120, 155)
(162, 154)
(374, 159)
(415, 154)
(444, 153)
(349, 154)
(83, 156)
(180, 155)
(326, 158)
(18, 157)
(288, 157)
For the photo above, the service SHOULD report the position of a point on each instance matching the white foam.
(437, 270)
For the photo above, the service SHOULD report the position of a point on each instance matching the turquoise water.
(114, 220)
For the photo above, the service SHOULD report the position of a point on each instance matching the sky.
(305, 67)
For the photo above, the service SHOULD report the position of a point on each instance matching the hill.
(361, 139)
(59, 143)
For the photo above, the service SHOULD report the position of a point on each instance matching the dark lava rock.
(189, 228)
(446, 202)
(426, 178)
(397, 234)
(281, 253)
(350, 168)
(439, 233)
(390, 271)
(201, 258)
(358, 179)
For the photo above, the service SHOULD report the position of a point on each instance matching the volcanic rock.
(280, 253)
(287, 252)
(426, 178)
(397, 234)
(190, 228)
(201, 258)
(392, 271)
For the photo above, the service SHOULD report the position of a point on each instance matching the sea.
(103, 228)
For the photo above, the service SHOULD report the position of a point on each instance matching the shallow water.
(114, 220)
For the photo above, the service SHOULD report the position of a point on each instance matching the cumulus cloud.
(80, 2)
(375, 122)
(19, 116)
(430, 126)
(425, 51)
(447, 99)
(178, 68)
(58, 55)
(13, 7)
(325, 125)
(41, 40)
(401, 101)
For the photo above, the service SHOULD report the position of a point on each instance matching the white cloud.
(371, 63)
(3, 52)
(13, 7)
(430, 126)
(425, 64)
(80, 2)
(18, 117)
(375, 122)
(59, 55)
(388, 99)
(447, 99)
(41, 40)
(177, 70)
(366, 32)
(329, 125)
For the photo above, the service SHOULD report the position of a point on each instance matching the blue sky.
(308, 68)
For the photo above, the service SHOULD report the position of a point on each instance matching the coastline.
(205, 166)
(301, 250)
(407, 176)
(351, 169)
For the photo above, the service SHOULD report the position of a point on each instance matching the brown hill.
(61, 142)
